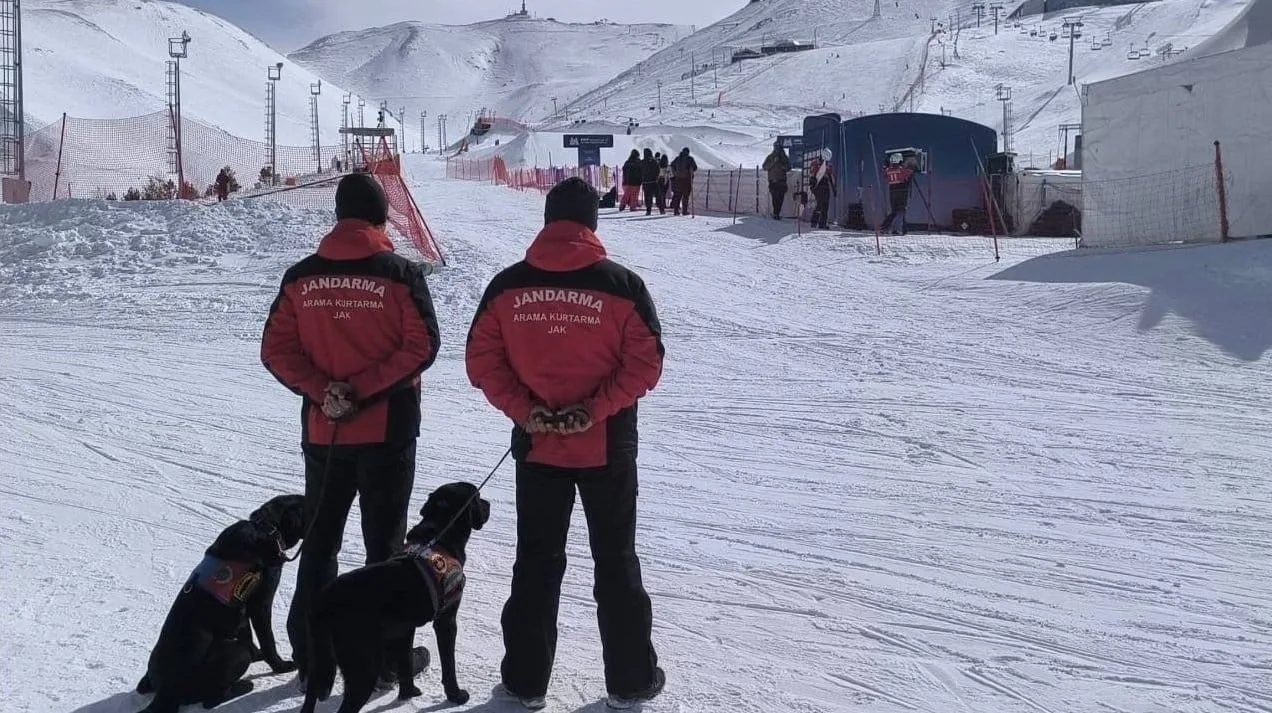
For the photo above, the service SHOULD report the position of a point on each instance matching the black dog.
(367, 610)
(205, 645)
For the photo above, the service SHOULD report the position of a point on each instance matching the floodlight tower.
(401, 117)
(272, 75)
(423, 129)
(12, 128)
(177, 50)
(344, 124)
(1003, 94)
(315, 91)
(362, 118)
(1072, 24)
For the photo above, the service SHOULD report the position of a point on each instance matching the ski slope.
(920, 481)
(868, 65)
(513, 67)
(104, 59)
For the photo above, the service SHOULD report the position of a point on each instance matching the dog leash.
(454, 519)
(322, 489)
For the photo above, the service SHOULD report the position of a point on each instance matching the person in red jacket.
(351, 331)
(898, 175)
(564, 343)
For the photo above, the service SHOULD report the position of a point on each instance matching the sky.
(288, 25)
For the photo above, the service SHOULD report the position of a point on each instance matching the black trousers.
(651, 192)
(545, 500)
(381, 477)
(900, 200)
(821, 211)
(778, 192)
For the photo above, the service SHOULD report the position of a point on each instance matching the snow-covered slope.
(107, 59)
(921, 482)
(513, 66)
(866, 65)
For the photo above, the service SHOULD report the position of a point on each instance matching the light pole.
(1072, 24)
(344, 124)
(315, 90)
(659, 96)
(272, 75)
(423, 130)
(1003, 94)
(177, 50)
(362, 106)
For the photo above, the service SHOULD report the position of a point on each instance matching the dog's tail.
(322, 660)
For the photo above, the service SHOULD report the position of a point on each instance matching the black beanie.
(359, 196)
(573, 199)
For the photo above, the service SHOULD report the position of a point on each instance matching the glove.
(573, 419)
(540, 420)
(339, 401)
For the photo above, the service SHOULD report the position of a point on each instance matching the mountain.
(905, 59)
(107, 59)
(513, 66)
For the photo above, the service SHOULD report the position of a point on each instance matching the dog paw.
(458, 696)
(279, 665)
(410, 690)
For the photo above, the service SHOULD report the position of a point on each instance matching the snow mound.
(79, 248)
(107, 59)
(513, 66)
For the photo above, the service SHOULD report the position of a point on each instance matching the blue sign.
(589, 155)
(579, 141)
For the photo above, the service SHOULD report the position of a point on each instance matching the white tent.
(1150, 173)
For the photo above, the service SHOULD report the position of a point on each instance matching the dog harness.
(443, 574)
(231, 583)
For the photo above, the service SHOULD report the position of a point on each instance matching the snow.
(512, 67)
(915, 481)
(865, 65)
(711, 148)
(106, 59)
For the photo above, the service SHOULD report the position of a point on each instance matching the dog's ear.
(478, 513)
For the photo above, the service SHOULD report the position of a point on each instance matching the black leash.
(459, 513)
(322, 489)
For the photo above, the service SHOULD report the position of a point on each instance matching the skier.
(632, 177)
(899, 177)
(351, 330)
(683, 167)
(778, 166)
(569, 373)
(823, 185)
(649, 180)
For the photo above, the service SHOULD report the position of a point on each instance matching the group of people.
(899, 172)
(564, 343)
(821, 182)
(653, 174)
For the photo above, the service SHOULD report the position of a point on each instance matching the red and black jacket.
(566, 326)
(359, 313)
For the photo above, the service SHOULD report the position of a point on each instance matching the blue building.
(953, 153)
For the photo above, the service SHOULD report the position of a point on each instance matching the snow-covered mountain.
(107, 59)
(867, 64)
(514, 67)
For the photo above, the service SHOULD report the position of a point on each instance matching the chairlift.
(1054, 35)
(1133, 54)
(1095, 44)
(1033, 33)
(1107, 41)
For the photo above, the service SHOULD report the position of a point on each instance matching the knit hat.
(573, 199)
(359, 196)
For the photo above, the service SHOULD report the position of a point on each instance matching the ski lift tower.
(12, 127)
(272, 75)
(177, 50)
(373, 146)
(1003, 94)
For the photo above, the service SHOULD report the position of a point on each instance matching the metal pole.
(21, 123)
(57, 173)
